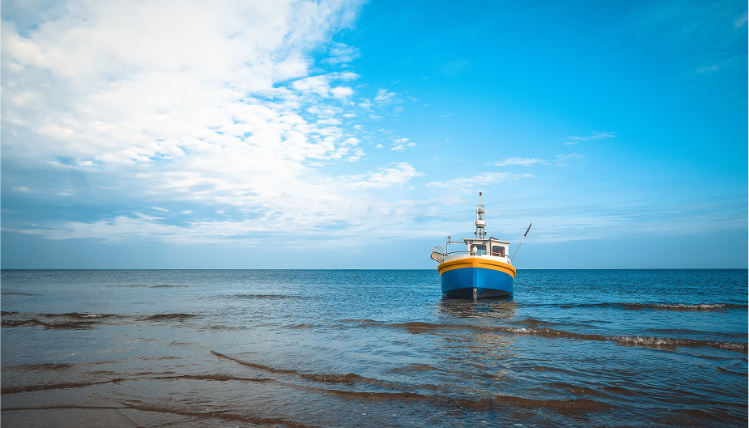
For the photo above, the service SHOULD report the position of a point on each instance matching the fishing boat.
(480, 269)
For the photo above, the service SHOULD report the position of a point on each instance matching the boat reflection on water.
(502, 309)
(476, 352)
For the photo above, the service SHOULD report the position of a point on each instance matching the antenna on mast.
(480, 222)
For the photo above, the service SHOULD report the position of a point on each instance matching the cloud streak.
(596, 136)
(526, 162)
(482, 179)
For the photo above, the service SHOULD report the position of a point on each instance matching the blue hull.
(476, 283)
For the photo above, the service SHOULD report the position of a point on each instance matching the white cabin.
(479, 246)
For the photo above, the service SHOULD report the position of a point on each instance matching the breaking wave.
(167, 317)
(641, 341)
(69, 321)
(660, 306)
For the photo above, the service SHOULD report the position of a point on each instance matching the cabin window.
(480, 249)
(498, 251)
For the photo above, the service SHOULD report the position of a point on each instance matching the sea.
(371, 348)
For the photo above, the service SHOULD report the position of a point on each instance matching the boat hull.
(477, 278)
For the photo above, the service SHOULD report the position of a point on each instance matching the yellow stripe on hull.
(476, 262)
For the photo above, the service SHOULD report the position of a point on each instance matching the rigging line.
(521, 242)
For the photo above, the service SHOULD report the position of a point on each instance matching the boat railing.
(478, 253)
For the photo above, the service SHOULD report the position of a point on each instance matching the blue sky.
(345, 134)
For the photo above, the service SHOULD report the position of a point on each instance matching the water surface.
(372, 348)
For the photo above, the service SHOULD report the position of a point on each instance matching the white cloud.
(485, 178)
(341, 53)
(386, 97)
(520, 161)
(341, 92)
(595, 136)
(321, 85)
(401, 143)
(210, 108)
(393, 175)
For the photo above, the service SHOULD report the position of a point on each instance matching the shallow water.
(351, 348)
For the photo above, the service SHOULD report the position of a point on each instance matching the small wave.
(551, 369)
(622, 391)
(722, 370)
(422, 327)
(167, 317)
(255, 420)
(164, 357)
(348, 378)
(577, 389)
(642, 341)
(365, 322)
(302, 326)
(254, 365)
(148, 286)
(413, 368)
(64, 321)
(377, 396)
(683, 306)
(670, 343)
(78, 316)
(215, 377)
(659, 306)
(44, 387)
(41, 366)
(572, 406)
(222, 327)
(534, 322)
(265, 296)
(64, 325)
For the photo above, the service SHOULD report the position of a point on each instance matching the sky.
(348, 134)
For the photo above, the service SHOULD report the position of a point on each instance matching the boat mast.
(480, 222)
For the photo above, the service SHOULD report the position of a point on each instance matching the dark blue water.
(356, 348)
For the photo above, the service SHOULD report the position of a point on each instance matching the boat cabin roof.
(480, 241)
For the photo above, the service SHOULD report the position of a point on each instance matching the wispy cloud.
(385, 96)
(402, 143)
(393, 175)
(520, 161)
(341, 53)
(479, 180)
(595, 136)
(562, 160)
